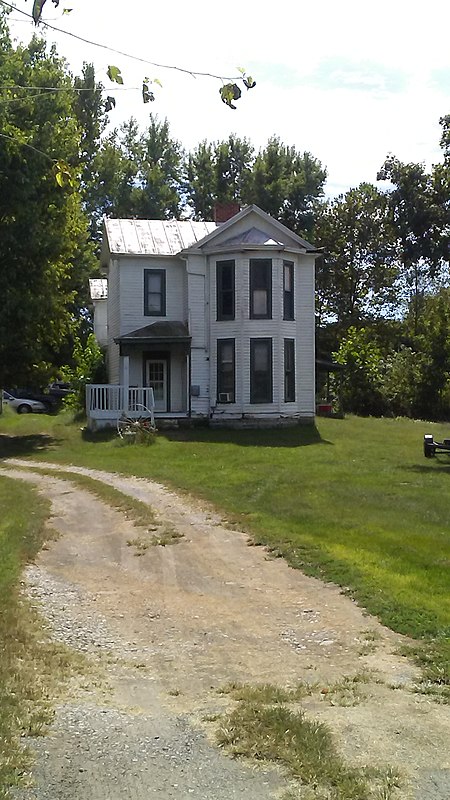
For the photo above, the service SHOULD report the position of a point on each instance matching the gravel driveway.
(174, 625)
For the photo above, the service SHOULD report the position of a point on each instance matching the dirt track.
(179, 622)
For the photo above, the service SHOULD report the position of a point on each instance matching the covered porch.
(106, 403)
(154, 376)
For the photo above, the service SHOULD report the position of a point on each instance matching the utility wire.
(44, 89)
(193, 73)
(30, 147)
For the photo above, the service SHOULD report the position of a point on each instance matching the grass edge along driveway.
(353, 502)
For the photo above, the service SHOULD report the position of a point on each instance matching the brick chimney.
(224, 211)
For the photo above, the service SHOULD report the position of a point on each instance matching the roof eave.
(151, 339)
(199, 246)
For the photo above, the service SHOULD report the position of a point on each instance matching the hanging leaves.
(114, 74)
(247, 80)
(63, 174)
(147, 95)
(37, 10)
(38, 5)
(110, 103)
(230, 92)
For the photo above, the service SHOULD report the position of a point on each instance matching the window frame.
(256, 397)
(253, 262)
(222, 387)
(147, 311)
(288, 294)
(220, 291)
(289, 370)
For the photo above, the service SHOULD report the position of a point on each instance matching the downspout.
(189, 383)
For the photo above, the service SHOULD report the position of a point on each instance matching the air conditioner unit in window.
(225, 397)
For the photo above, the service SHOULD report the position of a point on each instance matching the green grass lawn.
(22, 524)
(353, 501)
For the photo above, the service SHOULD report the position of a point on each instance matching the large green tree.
(45, 256)
(281, 180)
(218, 172)
(286, 183)
(138, 174)
(417, 208)
(356, 275)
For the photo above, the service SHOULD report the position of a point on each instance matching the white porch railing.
(110, 401)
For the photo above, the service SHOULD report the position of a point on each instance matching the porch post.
(189, 379)
(126, 381)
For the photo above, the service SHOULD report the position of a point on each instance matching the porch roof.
(157, 332)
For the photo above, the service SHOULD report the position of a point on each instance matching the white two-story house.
(218, 319)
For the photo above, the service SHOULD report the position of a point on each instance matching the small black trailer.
(430, 447)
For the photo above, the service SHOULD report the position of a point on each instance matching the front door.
(156, 377)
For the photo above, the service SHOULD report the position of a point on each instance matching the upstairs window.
(261, 382)
(288, 290)
(289, 370)
(225, 289)
(155, 292)
(226, 372)
(260, 288)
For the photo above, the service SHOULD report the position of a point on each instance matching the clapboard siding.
(191, 297)
(113, 321)
(242, 329)
(132, 314)
(305, 356)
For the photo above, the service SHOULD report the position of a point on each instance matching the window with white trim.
(226, 371)
(261, 372)
(154, 292)
(260, 288)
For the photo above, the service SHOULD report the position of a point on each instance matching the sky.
(349, 82)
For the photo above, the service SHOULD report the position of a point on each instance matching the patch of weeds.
(140, 544)
(433, 657)
(166, 537)
(368, 642)
(303, 747)
(174, 692)
(347, 692)
(211, 717)
(267, 693)
(382, 785)
(371, 635)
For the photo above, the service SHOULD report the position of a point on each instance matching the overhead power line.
(192, 72)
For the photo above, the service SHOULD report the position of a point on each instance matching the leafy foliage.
(362, 383)
(357, 274)
(88, 367)
(418, 222)
(44, 247)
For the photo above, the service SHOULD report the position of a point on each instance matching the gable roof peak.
(245, 212)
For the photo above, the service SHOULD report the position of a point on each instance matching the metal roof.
(251, 236)
(254, 209)
(154, 237)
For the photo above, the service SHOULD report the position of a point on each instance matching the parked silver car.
(23, 405)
